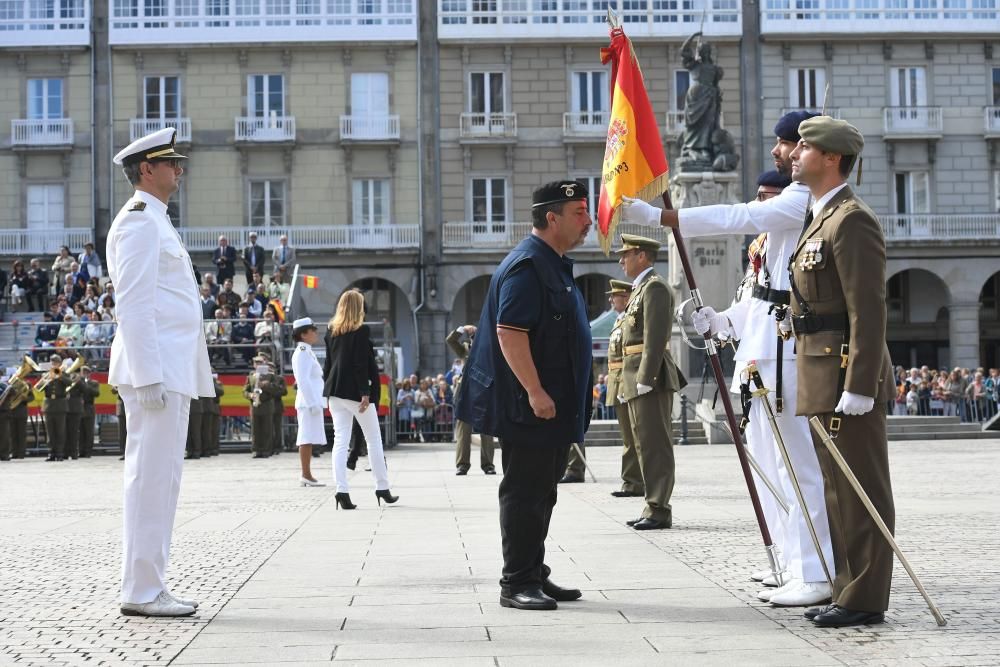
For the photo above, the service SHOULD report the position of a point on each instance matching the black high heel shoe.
(386, 496)
(344, 500)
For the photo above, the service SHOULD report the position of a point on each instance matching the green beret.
(832, 135)
(619, 287)
(633, 242)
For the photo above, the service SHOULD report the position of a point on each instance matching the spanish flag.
(310, 282)
(634, 162)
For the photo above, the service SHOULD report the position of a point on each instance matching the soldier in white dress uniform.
(308, 395)
(159, 362)
(781, 218)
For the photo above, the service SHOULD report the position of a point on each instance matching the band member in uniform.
(649, 378)
(91, 390)
(308, 396)
(5, 424)
(159, 361)
(259, 389)
(19, 427)
(54, 409)
(278, 416)
(529, 381)
(459, 341)
(74, 414)
(838, 307)
(210, 415)
(195, 418)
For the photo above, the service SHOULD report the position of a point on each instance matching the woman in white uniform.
(309, 395)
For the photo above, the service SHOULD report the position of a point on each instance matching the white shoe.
(309, 482)
(760, 575)
(805, 594)
(186, 603)
(768, 593)
(772, 582)
(162, 605)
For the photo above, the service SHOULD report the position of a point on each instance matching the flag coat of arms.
(634, 162)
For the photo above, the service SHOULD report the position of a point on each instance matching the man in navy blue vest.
(528, 381)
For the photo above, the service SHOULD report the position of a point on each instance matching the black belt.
(812, 323)
(771, 295)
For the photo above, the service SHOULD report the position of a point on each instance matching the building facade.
(396, 143)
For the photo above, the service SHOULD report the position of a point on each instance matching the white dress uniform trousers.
(782, 218)
(308, 395)
(160, 339)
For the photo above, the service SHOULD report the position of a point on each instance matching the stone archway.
(467, 305)
(385, 300)
(917, 319)
(989, 322)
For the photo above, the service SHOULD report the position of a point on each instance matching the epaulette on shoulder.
(302, 346)
(138, 206)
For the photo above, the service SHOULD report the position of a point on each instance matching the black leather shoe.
(632, 522)
(489, 471)
(560, 594)
(461, 471)
(627, 494)
(813, 612)
(532, 599)
(650, 524)
(839, 617)
(571, 479)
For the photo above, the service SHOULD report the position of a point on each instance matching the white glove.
(315, 409)
(785, 327)
(854, 404)
(707, 320)
(639, 212)
(152, 396)
(642, 389)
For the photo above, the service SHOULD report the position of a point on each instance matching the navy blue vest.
(492, 400)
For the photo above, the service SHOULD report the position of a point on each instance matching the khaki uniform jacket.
(268, 390)
(55, 395)
(646, 327)
(848, 277)
(91, 391)
(615, 356)
(461, 350)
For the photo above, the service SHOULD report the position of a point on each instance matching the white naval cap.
(302, 323)
(157, 145)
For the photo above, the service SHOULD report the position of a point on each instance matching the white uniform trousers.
(790, 531)
(154, 458)
(344, 412)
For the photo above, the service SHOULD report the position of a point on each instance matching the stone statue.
(704, 145)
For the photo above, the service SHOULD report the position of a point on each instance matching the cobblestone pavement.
(284, 578)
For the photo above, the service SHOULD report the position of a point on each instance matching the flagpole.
(713, 354)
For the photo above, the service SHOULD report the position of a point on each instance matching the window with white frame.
(593, 184)
(912, 192)
(265, 95)
(267, 204)
(996, 86)
(370, 105)
(486, 92)
(908, 87)
(590, 93)
(806, 87)
(996, 190)
(46, 207)
(489, 205)
(371, 201)
(162, 97)
(45, 99)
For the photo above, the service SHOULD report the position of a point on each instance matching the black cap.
(787, 127)
(557, 192)
(774, 179)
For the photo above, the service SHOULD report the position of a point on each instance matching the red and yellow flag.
(311, 282)
(634, 162)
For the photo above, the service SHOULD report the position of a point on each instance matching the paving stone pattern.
(285, 578)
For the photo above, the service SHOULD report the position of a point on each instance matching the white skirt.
(311, 431)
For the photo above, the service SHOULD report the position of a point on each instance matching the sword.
(824, 435)
(778, 496)
(761, 393)
(585, 464)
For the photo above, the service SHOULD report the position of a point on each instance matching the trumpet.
(15, 391)
(68, 366)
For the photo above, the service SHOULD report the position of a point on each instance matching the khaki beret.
(633, 242)
(832, 135)
(619, 287)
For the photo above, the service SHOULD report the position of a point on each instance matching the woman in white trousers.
(309, 400)
(349, 385)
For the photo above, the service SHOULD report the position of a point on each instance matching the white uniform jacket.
(160, 336)
(782, 218)
(308, 377)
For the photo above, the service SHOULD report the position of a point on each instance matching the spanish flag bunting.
(278, 308)
(634, 162)
(310, 282)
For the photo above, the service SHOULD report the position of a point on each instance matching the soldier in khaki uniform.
(618, 295)
(91, 389)
(195, 417)
(259, 390)
(74, 414)
(649, 377)
(278, 416)
(54, 409)
(838, 306)
(463, 432)
(19, 427)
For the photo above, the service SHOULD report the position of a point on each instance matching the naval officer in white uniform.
(309, 399)
(159, 362)
(782, 219)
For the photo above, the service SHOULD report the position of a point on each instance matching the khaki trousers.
(575, 466)
(631, 471)
(463, 447)
(650, 417)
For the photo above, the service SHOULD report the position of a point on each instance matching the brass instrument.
(68, 366)
(17, 389)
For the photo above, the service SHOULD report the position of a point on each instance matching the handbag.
(417, 412)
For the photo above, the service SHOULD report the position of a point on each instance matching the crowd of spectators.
(971, 395)
(425, 408)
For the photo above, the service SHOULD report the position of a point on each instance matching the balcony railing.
(586, 123)
(488, 125)
(369, 128)
(140, 127)
(582, 19)
(941, 227)
(878, 16)
(321, 237)
(832, 112)
(34, 23)
(152, 23)
(502, 236)
(24, 243)
(42, 132)
(902, 122)
(991, 121)
(265, 128)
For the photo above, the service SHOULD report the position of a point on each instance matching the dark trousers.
(277, 430)
(5, 435)
(55, 431)
(73, 434)
(19, 431)
(87, 432)
(122, 429)
(209, 433)
(531, 475)
(195, 446)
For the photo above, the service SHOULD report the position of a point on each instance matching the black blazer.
(346, 371)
